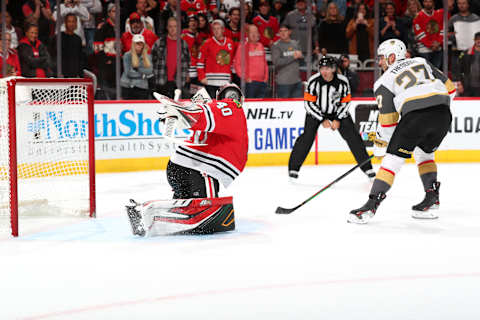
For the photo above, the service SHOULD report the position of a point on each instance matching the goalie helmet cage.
(47, 159)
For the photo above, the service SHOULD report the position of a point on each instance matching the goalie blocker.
(181, 216)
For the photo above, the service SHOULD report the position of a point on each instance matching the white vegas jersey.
(409, 85)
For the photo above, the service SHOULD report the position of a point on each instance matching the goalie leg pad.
(189, 216)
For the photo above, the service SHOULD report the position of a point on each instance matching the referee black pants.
(304, 143)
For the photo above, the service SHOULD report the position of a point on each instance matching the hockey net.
(47, 166)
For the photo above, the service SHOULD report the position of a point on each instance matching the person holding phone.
(391, 27)
(360, 33)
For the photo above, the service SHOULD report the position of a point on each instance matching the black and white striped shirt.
(327, 100)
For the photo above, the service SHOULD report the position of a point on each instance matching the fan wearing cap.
(327, 98)
(137, 27)
(137, 69)
(142, 15)
(414, 100)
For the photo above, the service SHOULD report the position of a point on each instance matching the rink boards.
(128, 135)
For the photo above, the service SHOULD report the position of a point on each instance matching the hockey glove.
(186, 115)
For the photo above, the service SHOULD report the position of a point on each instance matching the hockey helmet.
(327, 61)
(230, 91)
(392, 46)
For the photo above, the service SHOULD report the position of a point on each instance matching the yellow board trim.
(276, 159)
(271, 159)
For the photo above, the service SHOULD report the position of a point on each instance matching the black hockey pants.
(304, 143)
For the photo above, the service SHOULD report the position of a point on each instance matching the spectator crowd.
(209, 52)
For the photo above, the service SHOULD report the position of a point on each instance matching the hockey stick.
(281, 210)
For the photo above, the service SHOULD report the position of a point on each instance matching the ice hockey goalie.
(215, 154)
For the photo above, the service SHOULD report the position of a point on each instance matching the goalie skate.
(135, 219)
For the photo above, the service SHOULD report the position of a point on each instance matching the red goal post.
(47, 159)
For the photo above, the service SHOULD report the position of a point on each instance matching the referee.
(327, 97)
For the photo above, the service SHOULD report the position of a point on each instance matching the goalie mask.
(230, 91)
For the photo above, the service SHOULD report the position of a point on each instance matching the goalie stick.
(281, 210)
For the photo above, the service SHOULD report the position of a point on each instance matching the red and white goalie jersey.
(222, 127)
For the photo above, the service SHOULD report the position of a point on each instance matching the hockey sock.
(427, 168)
(391, 164)
(428, 173)
(383, 181)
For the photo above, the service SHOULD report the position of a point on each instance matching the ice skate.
(431, 201)
(135, 219)
(367, 211)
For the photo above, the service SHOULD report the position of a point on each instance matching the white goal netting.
(52, 150)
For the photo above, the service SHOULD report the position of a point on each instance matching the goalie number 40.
(226, 111)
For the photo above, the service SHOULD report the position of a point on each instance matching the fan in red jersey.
(215, 154)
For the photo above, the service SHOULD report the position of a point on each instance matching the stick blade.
(281, 210)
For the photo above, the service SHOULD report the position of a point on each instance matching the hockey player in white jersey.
(414, 101)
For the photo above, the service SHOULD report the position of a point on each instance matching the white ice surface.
(310, 264)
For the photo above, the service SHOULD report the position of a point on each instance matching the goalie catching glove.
(185, 114)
